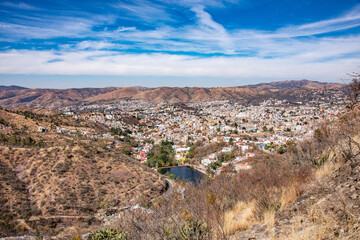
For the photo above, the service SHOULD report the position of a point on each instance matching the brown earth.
(45, 190)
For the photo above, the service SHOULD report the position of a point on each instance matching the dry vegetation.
(45, 189)
(310, 192)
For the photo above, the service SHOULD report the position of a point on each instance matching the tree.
(281, 150)
(190, 153)
(4, 122)
(162, 155)
(28, 141)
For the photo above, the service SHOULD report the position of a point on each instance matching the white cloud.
(143, 10)
(109, 63)
(123, 29)
(96, 45)
(61, 27)
(212, 29)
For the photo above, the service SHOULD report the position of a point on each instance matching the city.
(167, 120)
(240, 130)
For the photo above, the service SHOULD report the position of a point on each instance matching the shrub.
(4, 122)
(77, 237)
(193, 230)
(161, 170)
(107, 234)
(171, 176)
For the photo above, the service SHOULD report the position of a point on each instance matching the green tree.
(190, 153)
(162, 155)
(28, 141)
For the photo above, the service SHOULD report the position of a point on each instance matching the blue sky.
(62, 44)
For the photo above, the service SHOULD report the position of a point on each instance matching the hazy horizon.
(140, 86)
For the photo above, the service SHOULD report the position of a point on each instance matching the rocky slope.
(328, 207)
(50, 188)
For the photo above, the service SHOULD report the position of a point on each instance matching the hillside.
(309, 192)
(282, 85)
(303, 90)
(12, 87)
(327, 207)
(49, 98)
(287, 90)
(50, 182)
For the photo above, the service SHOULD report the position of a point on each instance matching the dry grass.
(240, 218)
(269, 219)
(322, 226)
(289, 194)
(326, 169)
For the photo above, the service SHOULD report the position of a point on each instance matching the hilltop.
(49, 98)
(293, 84)
(12, 87)
(55, 98)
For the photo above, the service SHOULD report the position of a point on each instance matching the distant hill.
(12, 87)
(50, 98)
(55, 98)
(292, 84)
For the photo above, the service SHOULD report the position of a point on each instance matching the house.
(60, 130)
(227, 149)
(207, 161)
(42, 129)
(250, 155)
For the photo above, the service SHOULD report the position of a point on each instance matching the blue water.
(185, 173)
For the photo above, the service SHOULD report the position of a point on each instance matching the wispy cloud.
(346, 21)
(19, 5)
(210, 3)
(211, 29)
(49, 26)
(92, 45)
(143, 10)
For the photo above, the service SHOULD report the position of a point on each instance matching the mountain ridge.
(11, 87)
(57, 98)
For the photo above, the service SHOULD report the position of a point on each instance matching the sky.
(183, 43)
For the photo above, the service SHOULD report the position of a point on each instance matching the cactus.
(108, 234)
(194, 230)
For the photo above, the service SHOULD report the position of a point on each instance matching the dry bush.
(326, 169)
(239, 218)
